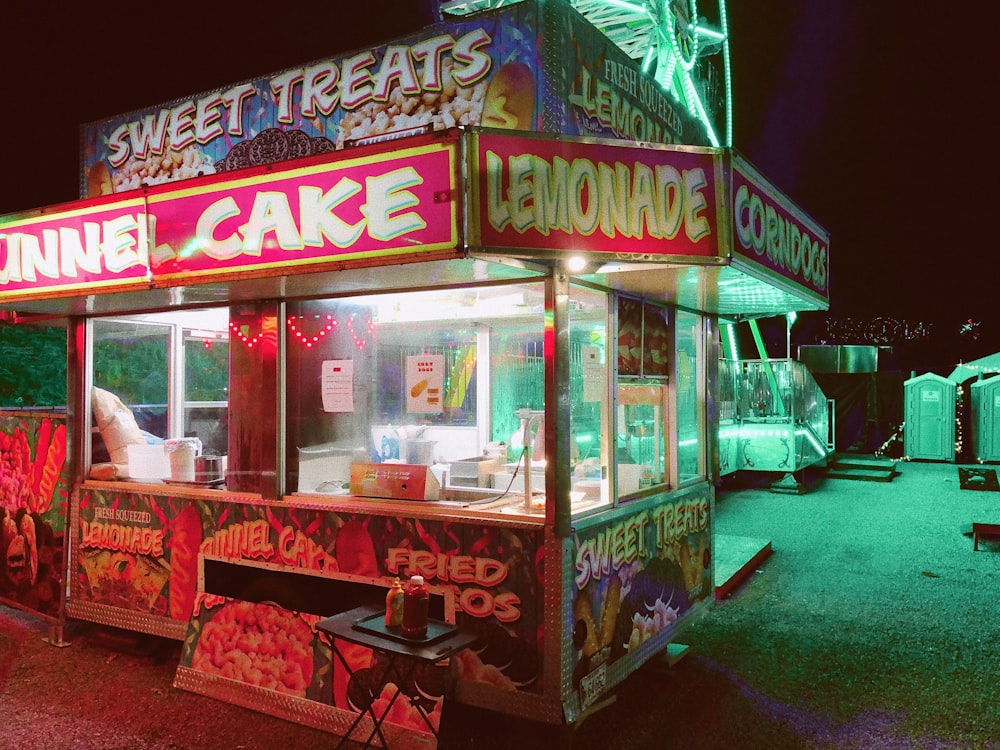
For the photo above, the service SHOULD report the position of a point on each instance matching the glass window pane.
(690, 424)
(655, 341)
(629, 337)
(434, 377)
(170, 372)
(641, 442)
(588, 387)
(206, 389)
(132, 361)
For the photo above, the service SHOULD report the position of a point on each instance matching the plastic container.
(416, 599)
(148, 463)
(182, 452)
(394, 605)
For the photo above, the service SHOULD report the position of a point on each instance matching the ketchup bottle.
(416, 598)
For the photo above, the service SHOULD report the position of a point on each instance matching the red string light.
(238, 332)
(294, 325)
(360, 340)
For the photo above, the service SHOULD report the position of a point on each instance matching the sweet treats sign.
(485, 70)
(636, 577)
(463, 72)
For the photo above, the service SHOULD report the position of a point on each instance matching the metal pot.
(209, 469)
(417, 451)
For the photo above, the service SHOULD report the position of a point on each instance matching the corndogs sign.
(655, 203)
(771, 232)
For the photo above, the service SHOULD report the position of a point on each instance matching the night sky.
(874, 117)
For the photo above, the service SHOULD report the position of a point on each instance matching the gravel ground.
(873, 625)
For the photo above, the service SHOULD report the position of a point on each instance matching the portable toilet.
(929, 411)
(986, 419)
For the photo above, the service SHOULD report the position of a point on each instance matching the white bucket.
(181, 453)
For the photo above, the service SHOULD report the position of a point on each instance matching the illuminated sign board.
(772, 233)
(95, 246)
(396, 202)
(658, 203)
(361, 205)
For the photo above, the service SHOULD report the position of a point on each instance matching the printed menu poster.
(424, 380)
(338, 385)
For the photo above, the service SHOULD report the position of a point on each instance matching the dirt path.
(873, 625)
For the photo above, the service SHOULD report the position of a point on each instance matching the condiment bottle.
(416, 599)
(394, 605)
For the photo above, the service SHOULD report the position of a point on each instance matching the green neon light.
(726, 71)
(687, 61)
(648, 59)
(706, 33)
(646, 31)
(758, 339)
(733, 348)
(627, 6)
(823, 450)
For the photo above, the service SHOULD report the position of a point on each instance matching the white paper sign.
(424, 381)
(338, 385)
(593, 374)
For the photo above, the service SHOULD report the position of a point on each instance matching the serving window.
(158, 381)
(644, 347)
(430, 378)
(449, 379)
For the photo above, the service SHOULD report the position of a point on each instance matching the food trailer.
(388, 314)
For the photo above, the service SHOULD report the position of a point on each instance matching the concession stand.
(447, 307)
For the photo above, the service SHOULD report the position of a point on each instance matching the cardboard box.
(395, 481)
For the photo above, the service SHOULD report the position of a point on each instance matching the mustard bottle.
(394, 605)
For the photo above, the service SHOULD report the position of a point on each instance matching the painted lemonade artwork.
(139, 552)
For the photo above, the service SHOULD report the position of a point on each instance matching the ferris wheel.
(682, 44)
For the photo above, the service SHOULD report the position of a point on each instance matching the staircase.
(861, 466)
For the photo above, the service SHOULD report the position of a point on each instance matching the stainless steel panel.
(858, 359)
(825, 358)
(820, 358)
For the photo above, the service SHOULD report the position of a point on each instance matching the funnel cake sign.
(389, 203)
(380, 204)
(101, 244)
